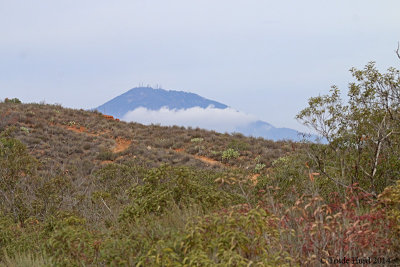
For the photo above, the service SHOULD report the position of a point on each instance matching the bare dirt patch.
(122, 144)
(78, 129)
(208, 160)
(201, 158)
(106, 162)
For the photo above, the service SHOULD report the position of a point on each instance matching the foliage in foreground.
(363, 133)
(174, 216)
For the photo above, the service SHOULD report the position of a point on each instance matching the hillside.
(82, 188)
(66, 135)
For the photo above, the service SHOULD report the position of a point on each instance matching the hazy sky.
(265, 58)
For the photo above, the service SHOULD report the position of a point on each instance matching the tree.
(363, 132)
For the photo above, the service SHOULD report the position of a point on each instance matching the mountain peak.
(154, 99)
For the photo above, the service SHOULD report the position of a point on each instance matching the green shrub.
(238, 145)
(230, 153)
(71, 244)
(116, 178)
(24, 129)
(17, 168)
(12, 100)
(17, 237)
(234, 237)
(259, 167)
(361, 130)
(166, 187)
(120, 251)
(292, 176)
(106, 154)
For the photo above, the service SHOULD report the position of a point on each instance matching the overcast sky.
(265, 58)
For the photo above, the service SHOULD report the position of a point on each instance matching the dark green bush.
(12, 100)
(17, 170)
(234, 237)
(166, 186)
(106, 154)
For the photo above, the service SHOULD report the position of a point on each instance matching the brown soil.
(122, 144)
(202, 158)
(79, 129)
(106, 162)
(208, 160)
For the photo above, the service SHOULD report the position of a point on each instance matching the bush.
(259, 167)
(17, 237)
(364, 144)
(315, 230)
(70, 243)
(230, 153)
(390, 203)
(166, 187)
(236, 237)
(17, 168)
(238, 145)
(13, 101)
(106, 154)
(293, 176)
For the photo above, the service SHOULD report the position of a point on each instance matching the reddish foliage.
(349, 227)
(109, 117)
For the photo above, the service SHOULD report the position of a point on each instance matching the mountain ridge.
(155, 99)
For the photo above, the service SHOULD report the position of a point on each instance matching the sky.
(264, 58)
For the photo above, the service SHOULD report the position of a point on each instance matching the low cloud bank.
(220, 120)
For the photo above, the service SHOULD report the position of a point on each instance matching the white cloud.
(220, 120)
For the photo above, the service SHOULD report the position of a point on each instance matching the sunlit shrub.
(197, 140)
(259, 167)
(230, 153)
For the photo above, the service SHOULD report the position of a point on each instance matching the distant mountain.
(155, 99)
(266, 130)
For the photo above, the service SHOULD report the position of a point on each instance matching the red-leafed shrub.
(321, 231)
